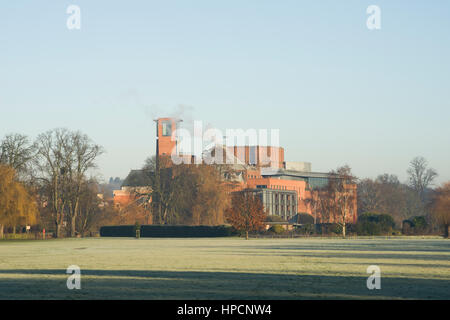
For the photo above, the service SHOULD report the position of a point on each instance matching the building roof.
(315, 180)
(276, 172)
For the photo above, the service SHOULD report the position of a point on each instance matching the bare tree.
(84, 153)
(315, 204)
(386, 194)
(341, 197)
(63, 158)
(188, 194)
(150, 164)
(50, 163)
(165, 188)
(370, 198)
(94, 211)
(17, 152)
(420, 176)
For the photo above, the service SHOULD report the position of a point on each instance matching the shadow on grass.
(349, 255)
(412, 246)
(413, 250)
(138, 284)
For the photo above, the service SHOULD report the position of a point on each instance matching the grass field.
(230, 268)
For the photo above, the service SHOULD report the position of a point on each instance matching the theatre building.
(284, 187)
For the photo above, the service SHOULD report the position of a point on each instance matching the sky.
(339, 92)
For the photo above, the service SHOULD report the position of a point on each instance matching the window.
(166, 128)
(252, 155)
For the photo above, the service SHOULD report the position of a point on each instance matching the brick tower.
(164, 129)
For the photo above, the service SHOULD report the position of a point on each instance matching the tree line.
(416, 202)
(417, 197)
(49, 181)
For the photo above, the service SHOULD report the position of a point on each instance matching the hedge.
(374, 224)
(168, 231)
(118, 231)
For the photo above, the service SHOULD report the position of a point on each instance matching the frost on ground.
(229, 268)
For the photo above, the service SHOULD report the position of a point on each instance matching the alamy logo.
(74, 281)
(374, 20)
(374, 280)
(213, 147)
(74, 20)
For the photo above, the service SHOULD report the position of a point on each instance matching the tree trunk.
(58, 230)
(1, 231)
(73, 226)
(246, 235)
(345, 217)
(164, 217)
(343, 230)
(446, 227)
(73, 229)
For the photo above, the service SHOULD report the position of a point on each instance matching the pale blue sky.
(338, 92)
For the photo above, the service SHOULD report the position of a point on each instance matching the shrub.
(306, 229)
(335, 228)
(373, 224)
(407, 227)
(350, 228)
(328, 228)
(415, 225)
(277, 229)
(369, 228)
(420, 224)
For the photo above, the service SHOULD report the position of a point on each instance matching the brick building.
(284, 187)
